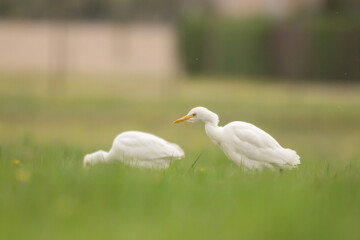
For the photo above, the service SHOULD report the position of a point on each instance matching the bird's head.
(94, 158)
(199, 114)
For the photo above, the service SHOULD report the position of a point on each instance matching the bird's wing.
(145, 146)
(250, 142)
(251, 134)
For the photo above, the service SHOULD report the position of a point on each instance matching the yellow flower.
(16, 162)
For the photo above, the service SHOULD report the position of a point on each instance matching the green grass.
(50, 196)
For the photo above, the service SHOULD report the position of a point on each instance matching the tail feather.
(178, 152)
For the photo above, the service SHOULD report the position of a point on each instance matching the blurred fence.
(131, 49)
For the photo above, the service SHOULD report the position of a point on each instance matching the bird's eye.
(194, 114)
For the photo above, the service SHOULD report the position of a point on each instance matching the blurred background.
(119, 61)
(75, 73)
(297, 40)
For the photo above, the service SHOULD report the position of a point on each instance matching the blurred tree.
(146, 10)
(347, 6)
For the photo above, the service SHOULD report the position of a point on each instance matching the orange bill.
(183, 119)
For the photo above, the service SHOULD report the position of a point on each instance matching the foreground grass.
(46, 193)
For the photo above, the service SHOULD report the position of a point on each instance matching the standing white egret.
(138, 149)
(245, 144)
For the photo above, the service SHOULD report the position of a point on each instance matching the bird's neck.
(213, 131)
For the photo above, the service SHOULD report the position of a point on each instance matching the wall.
(136, 49)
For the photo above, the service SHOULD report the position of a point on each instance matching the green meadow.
(46, 129)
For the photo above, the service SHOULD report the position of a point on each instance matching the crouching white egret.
(247, 145)
(138, 149)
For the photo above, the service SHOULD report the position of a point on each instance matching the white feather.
(138, 149)
(245, 144)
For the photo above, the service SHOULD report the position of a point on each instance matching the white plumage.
(245, 144)
(138, 149)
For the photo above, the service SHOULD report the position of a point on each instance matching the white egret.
(138, 149)
(247, 145)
